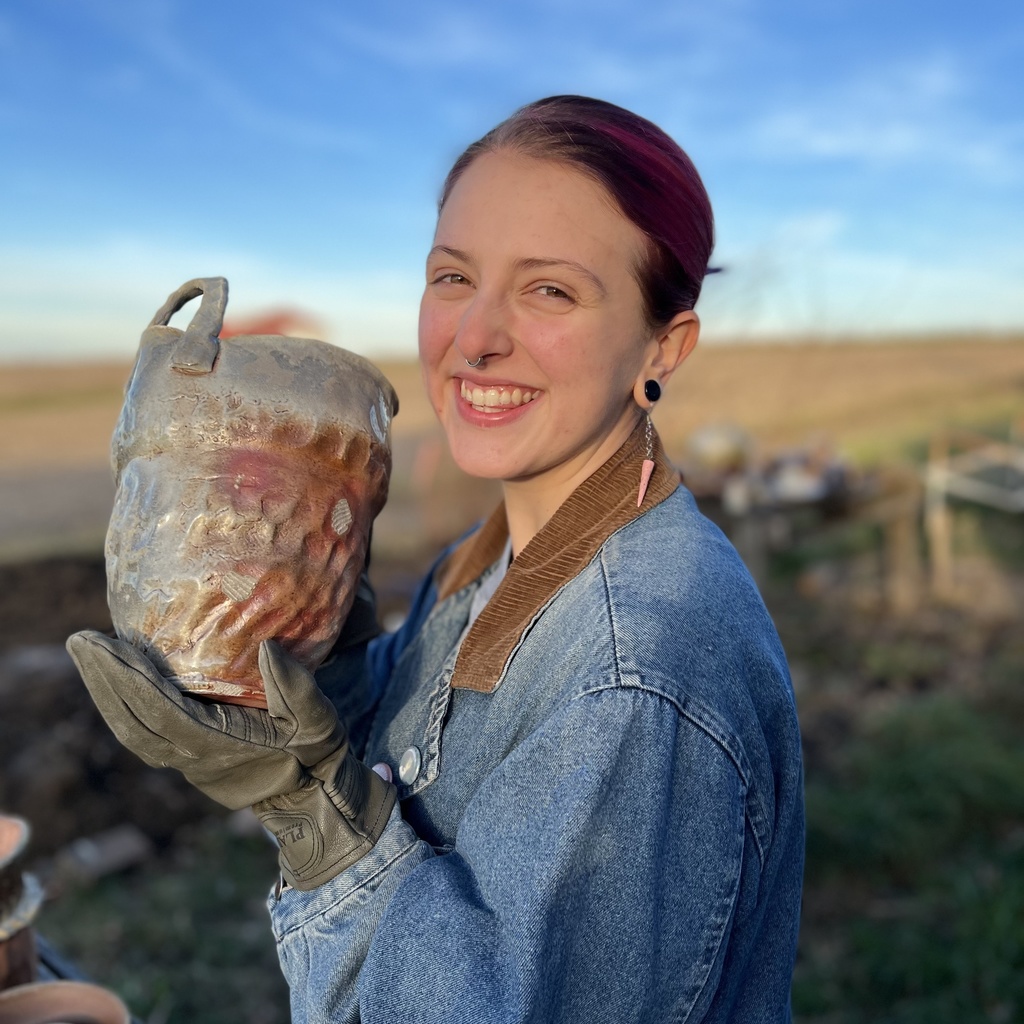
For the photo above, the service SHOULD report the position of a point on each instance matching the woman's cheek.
(432, 350)
(435, 333)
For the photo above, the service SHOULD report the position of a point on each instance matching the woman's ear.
(667, 348)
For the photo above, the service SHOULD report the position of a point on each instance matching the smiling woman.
(585, 800)
(532, 301)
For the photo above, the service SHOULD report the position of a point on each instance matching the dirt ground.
(60, 767)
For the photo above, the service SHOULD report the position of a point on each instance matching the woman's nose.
(485, 328)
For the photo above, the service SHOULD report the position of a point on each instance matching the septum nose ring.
(475, 362)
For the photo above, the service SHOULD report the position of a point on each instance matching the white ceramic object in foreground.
(249, 471)
(61, 1002)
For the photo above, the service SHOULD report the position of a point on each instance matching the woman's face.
(531, 269)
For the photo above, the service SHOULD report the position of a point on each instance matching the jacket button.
(409, 766)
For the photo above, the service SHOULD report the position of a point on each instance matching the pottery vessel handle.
(196, 351)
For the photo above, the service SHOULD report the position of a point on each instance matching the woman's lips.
(495, 398)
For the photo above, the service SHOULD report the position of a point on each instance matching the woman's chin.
(486, 465)
(492, 450)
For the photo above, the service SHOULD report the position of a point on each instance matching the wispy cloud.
(597, 47)
(431, 38)
(908, 111)
(846, 147)
(152, 29)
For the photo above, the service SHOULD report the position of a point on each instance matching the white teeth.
(495, 398)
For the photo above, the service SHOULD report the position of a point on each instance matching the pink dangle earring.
(652, 392)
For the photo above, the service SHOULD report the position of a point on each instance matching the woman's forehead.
(538, 208)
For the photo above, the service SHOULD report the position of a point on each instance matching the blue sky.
(865, 159)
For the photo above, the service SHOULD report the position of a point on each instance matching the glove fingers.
(293, 697)
(100, 652)
(145, 711)
(106, 676)
(157, 751)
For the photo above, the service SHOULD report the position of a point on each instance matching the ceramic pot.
(61, 1002)
(14, 836)
(249, 471)
(21, 896)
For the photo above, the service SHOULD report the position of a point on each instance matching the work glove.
(291, 763)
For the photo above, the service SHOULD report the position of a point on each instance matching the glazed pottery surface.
(61, 1002)
(14, 835)
(21, 895)
(249, 471)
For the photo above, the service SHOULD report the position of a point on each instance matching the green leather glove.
(291, 763)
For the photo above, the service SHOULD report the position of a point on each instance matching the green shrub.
(914, 906)
(917, 786)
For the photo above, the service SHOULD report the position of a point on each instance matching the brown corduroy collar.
(564, 546)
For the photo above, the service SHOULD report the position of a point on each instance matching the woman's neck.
(531, 502)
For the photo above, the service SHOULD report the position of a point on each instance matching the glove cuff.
(322, 829)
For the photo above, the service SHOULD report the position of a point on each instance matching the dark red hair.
(650, 177)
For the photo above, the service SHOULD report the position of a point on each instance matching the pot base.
(222, 692)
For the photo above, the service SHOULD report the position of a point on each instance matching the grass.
(41, 401)
(185, 938)
(915, 883)
(930, 782)
(914, 890)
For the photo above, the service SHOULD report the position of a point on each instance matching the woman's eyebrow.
(447, 250)
(541, 263)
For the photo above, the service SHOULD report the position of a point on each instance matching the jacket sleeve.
(594, 877)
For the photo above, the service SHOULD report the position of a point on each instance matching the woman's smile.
(495, 398)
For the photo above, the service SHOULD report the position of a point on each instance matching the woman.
(596, 811)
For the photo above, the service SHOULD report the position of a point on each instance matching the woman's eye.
(451, 278)
(554, 292)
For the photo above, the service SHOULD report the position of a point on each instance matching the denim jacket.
(600, 810)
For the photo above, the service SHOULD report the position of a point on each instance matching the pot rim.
(14, 837)
(78, 1002)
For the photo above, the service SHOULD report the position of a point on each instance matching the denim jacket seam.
(729, 904)
(727, 908)
(735, 756)
(439, 703)
(611, 616)
(723, 737)
(444, 674)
